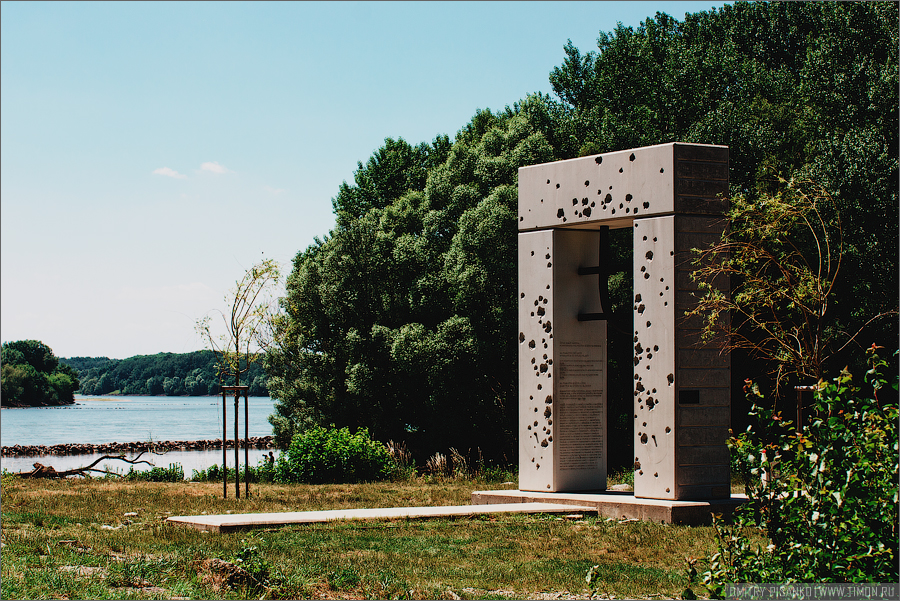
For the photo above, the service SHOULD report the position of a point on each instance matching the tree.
(247, 324)
(783, 255)
(32, 376)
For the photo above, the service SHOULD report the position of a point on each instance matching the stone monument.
(671, 195)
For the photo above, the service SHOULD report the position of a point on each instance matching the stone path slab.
(245, 521)
(622, 505)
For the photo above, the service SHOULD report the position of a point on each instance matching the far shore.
(255, 442)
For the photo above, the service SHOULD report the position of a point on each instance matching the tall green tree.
(402, 318)
(31, 375)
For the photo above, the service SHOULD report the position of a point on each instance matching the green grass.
(71, 539)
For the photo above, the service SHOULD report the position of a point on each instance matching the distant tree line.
(31, 375)
(163, 374)
(403, 318)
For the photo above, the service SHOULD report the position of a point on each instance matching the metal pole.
(224, 446)
(246, 446)
(237, 464)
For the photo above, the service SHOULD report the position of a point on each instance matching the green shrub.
(173, 473)
(829, 510)
(264, 472)
(328, 455)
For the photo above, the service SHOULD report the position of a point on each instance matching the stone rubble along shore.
(256, 442)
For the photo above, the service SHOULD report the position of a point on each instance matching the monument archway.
(671, 195)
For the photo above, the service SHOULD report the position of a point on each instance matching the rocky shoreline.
(256, 442)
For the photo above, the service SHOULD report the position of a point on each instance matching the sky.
(150, 153)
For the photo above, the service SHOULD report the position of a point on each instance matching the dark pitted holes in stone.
(643, 268)
(635, 210)
(656, 474)
(667, 488)
(646, 205)
(560, 214)
(641, 308)
(545, 345)
(621, 170)
(549, 422)
(557, 186)
(662, 170)
(637, 463)
(522, 295)
(532, 253)
(533, 360)
(650, 403)
(549, 361)
(544, 444)
(654, 238)
(535, 303)
(637, 360)
(531, 344)
(541, 296)
(564, 219)
(649, 356)
(666, 304)
(547, 413)
(548, 181)
(660, 279)
(653, 391)
(628, 197)
(574, 201)
(543, 368)
(522, 218)
(649, 255)
(639, 387)
(545, 355)
(539, 387)
(660, 293)
(646, 276)
(608, 198)
(638, 348)
(587, 212)
(621, 205)
(668, 430)
(548, 286)
(521, 337)
(593, 204)
(637, 298)
(549, 265)
(535, 424)
(671, 379)
(549, 399)
(645, 238)
(532, 313)
(541, 311)
(584, 201)
(644, 438)
(655, 347)
(627, 210)
(631, 158)
(610, 187)
(648, 323)
(613, 211)
(587, 183)
(598, 160)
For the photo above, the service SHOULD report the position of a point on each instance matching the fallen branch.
(47, 471)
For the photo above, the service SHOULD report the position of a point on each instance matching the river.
(99, 420)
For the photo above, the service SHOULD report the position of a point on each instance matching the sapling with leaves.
(782, 253)
(247, 324)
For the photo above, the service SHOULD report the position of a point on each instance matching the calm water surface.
(99, 420)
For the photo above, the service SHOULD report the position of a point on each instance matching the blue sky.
(151, 152)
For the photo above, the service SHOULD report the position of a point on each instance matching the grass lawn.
(108, 539)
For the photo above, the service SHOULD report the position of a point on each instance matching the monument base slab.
(621, 505)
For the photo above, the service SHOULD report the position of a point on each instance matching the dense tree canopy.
(403, 318)
(163, 374)
(32, 376)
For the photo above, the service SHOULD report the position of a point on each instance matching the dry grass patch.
(118, 544)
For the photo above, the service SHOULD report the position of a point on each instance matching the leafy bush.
(173, 473)
(321, 455)
(264, 472)
(829, 508)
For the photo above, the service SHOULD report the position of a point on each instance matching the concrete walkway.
(246, 521)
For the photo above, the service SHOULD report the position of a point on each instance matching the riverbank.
(255, 442)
